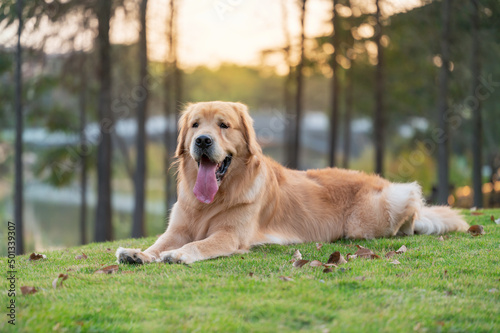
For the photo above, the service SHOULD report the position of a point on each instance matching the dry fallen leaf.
(285, 278)
(476, 230)
(319, 246)
(441, 239)
(315, 263)
(329, 265)
(250, 274)
(27, 290)
(336, 258)
(108, 249)
(363, 252)
(297, 255)
(300, 263)
(395, 262)
(82, 256)
(62, 277)
(328, 270)
(36, 256)
(402, 249)
(349, 256)
(107, 270)
(492, 218)
(390, 254)
(476, 213)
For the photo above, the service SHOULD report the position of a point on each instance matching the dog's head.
(214, 134)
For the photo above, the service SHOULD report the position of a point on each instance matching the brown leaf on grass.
(476, 230)
(285, 278)
(329, 265)
(363, 252)
(319, 246)
(27, 290)
(328, 270)
(476, 213)
(107, 270)
(349, 256)
(60, 278)
(336, 258)
(492, 218)
(250, 274)
(440, 238)
(315, 263)
(402, 249)
(81, 256)
(108, 250)
(390, 254)
(395, 262)
(36, 256)
(297, 255)
(300, 263)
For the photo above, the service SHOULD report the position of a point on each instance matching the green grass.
(439, 286)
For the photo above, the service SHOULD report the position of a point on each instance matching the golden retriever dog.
(232, 197)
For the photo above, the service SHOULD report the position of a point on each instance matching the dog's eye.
(195, 125)
(223, 125)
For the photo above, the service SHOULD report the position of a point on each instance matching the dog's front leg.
(220, 243)
(175, 237)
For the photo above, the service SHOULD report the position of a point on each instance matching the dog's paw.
(133, 256)
(176, 257)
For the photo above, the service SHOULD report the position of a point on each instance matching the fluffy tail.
(436, 220)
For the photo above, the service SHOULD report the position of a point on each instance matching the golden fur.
(259, 201)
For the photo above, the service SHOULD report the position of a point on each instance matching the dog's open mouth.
(210, 175)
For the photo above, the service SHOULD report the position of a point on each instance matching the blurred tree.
(379, 122)
(103, 228)
(287, 84)
(348, 116)
(140, 176)
(172, 96)
(19, 168)
(334, 104)
(477, 142)
(294, 163)
(443, 140)
(82, 108)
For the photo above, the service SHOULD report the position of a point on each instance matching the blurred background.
(90, 92)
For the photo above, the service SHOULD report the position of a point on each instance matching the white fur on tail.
(438, 220)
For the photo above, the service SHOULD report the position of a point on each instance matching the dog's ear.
(247, 128)
(183, 127)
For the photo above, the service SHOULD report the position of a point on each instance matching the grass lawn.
(450, 285)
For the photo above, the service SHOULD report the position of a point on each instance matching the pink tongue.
(206, 183)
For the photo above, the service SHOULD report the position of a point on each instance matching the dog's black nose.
(203, 141)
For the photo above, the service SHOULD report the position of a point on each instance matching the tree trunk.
(334, 117)
(443, 141)
(287, 96)
(141, 113)
(173, 92)
(294, 163)
(18, 193)
(348, 117)
(477, 142)
(379, 121)
(82, 106)
(103, 228)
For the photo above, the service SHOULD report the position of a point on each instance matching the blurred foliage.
(53, 83)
